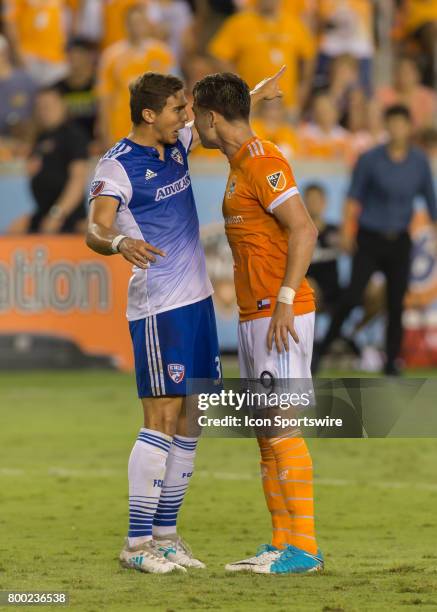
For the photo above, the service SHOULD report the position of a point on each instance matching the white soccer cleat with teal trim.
(149, 558)
(266, 555)
(178, 551)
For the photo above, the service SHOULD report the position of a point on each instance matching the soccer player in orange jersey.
(272, 239)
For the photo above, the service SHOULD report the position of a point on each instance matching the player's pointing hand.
(268, 89)
(139, 252)
(281, 327)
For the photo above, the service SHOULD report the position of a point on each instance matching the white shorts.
(254, 357)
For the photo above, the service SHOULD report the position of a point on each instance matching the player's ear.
(212, 118)
(148, 115)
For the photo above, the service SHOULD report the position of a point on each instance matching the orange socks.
(281, 522)
(287, 475)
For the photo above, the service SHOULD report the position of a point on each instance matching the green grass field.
(64, 444)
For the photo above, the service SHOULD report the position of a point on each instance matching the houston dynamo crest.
(176, 371)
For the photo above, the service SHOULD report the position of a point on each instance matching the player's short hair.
(151, 90)
(225, 93)
(397, 110)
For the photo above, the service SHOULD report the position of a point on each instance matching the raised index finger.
(280, 72)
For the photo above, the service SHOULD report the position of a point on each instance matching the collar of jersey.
(149, 151)
(235, 160)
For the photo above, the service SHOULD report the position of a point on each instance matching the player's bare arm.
(101, 233)
(302, 237)
(267, 89)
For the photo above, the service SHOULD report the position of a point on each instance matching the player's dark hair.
(315, 187)
(224, 93)
(151, 90)
(397, 110)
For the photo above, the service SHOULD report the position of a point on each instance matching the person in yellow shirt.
(114, 19)
(120, 64)
(346, 28)
(418, 21)
(323, 138)
(258, 41)
(35, 29)
(271, 124)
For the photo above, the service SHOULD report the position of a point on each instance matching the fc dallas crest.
(177, 156)
(176, 371)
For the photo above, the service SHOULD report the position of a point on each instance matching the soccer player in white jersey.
(142, 207)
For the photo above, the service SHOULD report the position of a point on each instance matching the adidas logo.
(283, 475)
(137, 561)
(150, 174)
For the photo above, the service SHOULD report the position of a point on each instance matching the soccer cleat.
(148, 557)
(178, 551)
(293, 560)
(266, 555)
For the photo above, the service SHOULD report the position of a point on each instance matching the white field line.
(231, 476)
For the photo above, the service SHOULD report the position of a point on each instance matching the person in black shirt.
(323, 271)
(78, 87)
(58, 170)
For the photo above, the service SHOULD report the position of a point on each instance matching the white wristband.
(116, 243)
(286, 295)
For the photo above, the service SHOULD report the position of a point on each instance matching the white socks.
(146, 472)
(180, 465)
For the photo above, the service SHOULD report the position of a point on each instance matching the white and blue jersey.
(157, 205)
(170, 311)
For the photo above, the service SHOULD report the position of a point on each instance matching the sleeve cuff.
(280, 199)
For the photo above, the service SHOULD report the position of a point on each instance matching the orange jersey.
(120, 65)
(418, 12)
(315, 143)
(260, 179)
(40, 27)
(282, 135)
(114, 19)
(257, 46)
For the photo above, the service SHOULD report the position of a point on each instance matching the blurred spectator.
(37, 36)
(255, 43)
(385, 182)
(271, 124)
(346, 27)
(407, 90)
(208, 19)
(323, 271)
(364, 121)
(174, 19)
(57, 170)
(17, 91)
(89, 20)
(344, 79)
(114, 19)
(323, 137)
(78, 87)
(427, 140)
(120, 64)
(418, 21)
